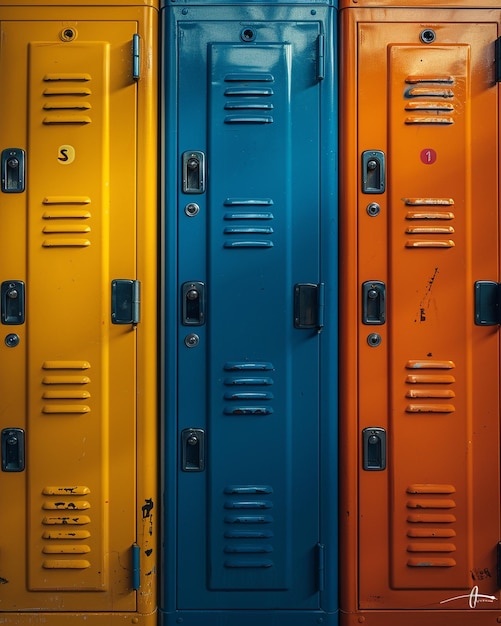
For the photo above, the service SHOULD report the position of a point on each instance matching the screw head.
(192, 340)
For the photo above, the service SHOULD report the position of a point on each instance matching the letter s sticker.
(66, 154)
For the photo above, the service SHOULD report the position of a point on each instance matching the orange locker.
(78, 302)
(420, 359)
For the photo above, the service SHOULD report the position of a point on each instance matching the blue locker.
(250, 319)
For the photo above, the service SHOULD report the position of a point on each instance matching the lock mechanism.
(374, 449)
(193, 450)
(373, 302)
(373, 171)
(193, 172)
(13, 170)
(12, 450)
(12, 302)
(193, 297)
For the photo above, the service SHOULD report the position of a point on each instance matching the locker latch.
(13, 170)
(125, 301)
(487, 303)
(374, 449)
(497, 59)
(193, 450)
(193, 297)
(12, 302)
(373, 302)
(373, 171)
(309, 306)
(193, 172)
(12, 450)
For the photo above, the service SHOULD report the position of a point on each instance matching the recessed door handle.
(373, 171)
(13, 170)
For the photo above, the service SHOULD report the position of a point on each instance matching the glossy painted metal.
(419, 536)
(250, 384)
(78, 532)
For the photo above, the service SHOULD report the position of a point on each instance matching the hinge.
(321, 566)
(309, 306)
(487, 303)
(136, 571)
(136, 74)
(125, 301)
(320, 57)
(497, 59)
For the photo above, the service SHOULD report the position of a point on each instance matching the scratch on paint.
(425, 302)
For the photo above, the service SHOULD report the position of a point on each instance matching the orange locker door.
(72, 336)
(425, 448)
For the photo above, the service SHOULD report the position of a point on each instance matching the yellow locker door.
(426, 447)
(68, 246)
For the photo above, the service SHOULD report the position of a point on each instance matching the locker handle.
(12, 450)
(193, 295)
(13, 170)
(373, 171)
(374, 449)
(12, 302)
(373, 302)
(193, 450)
(193, 172)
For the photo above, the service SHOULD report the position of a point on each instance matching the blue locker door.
(250, 307)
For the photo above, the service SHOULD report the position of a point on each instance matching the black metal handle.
(373, 302)
(193, 450)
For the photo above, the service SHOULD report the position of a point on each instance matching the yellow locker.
(78, 302)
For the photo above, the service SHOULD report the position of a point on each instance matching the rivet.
(192, 340)
(12, 340)
(374, 340)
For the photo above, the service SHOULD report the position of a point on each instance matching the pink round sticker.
(428, 156)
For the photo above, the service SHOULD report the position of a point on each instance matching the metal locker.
(250, 317)
(420, 388)
(78, 312)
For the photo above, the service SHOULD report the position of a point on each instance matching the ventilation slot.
(63, 94)
(249, 235)
(252, 103)
(431, 375)
(430, 530)
(417, 230)
(63, 393)
(66, 221)
(426, 100)
(250, 545)
(250, 398)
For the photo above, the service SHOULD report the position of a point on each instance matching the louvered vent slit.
(426, 100)
(66, 220)
(253, 102)
(249, 236)
(416, 231)
(250, 545)
(62, 388)
(430, 527)
(248, 402)
(63, 95)
(430, 399)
